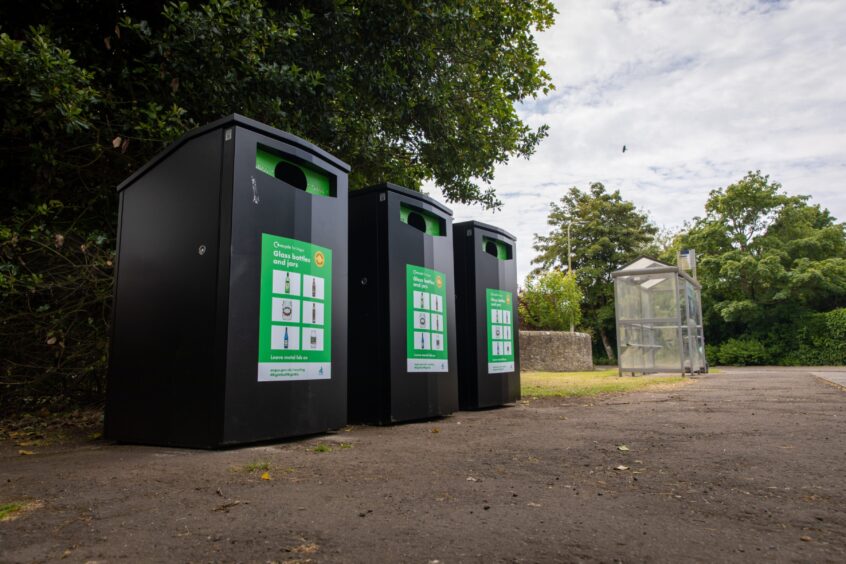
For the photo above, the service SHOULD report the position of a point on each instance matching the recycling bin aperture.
(402, 307)
(486, 315)
(229, 321)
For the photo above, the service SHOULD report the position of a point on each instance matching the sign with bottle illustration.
(426, 333)
(295, 311)
(500, 325)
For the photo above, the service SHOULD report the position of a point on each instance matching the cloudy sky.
(700, 92)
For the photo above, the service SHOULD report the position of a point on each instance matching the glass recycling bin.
(402, 307)
(229, 320)
(486, 315)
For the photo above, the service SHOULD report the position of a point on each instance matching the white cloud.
(700, 92)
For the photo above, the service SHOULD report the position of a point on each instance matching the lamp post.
(570, 262)
(569, 253)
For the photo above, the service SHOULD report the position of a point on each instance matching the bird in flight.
(624, 148)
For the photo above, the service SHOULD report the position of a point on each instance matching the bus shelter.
(659, 319)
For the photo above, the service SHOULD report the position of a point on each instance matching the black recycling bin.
(486, 315)
(229, 322)
(402, 307)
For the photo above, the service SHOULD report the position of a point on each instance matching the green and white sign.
(426, 333)
(500, 323)
(295, 311)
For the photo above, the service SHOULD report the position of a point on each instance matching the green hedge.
(823, 341)
(742, 352)
(814, 340)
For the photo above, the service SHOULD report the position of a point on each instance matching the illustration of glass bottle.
(287, 283)
(422, 341)
(313, 288)
(421, 300)
(313, 313)
(313, 339)
(285, 339)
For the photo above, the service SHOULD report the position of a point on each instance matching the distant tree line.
(772, 268)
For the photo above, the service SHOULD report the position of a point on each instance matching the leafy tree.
(767, 261)
(551, 301)
(401, 92)
(92, 89)
(606, 233)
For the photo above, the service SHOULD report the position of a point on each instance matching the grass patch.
(9, 509)
(257, 466)
(322, 448)
(582, 384)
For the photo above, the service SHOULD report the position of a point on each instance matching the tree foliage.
(768, 261)
(551, 301)
(766, 255)
(402, 92)
(92, 89)
(606, 233)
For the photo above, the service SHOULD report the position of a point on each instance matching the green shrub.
(551, 301)
(712, 354)
(55, 296)
(742, 352)
(823, 340)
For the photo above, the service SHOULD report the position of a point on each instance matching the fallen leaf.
(805, 539)
(621, 467)
(435, 430)
(25, 452)
(471, 479)
(265, 476)
(533, 504)
(623, 448)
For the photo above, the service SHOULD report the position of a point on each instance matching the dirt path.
(739, 466)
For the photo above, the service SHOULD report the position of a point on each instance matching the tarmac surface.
(744, 465)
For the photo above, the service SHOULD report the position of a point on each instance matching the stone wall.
(555, 351)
